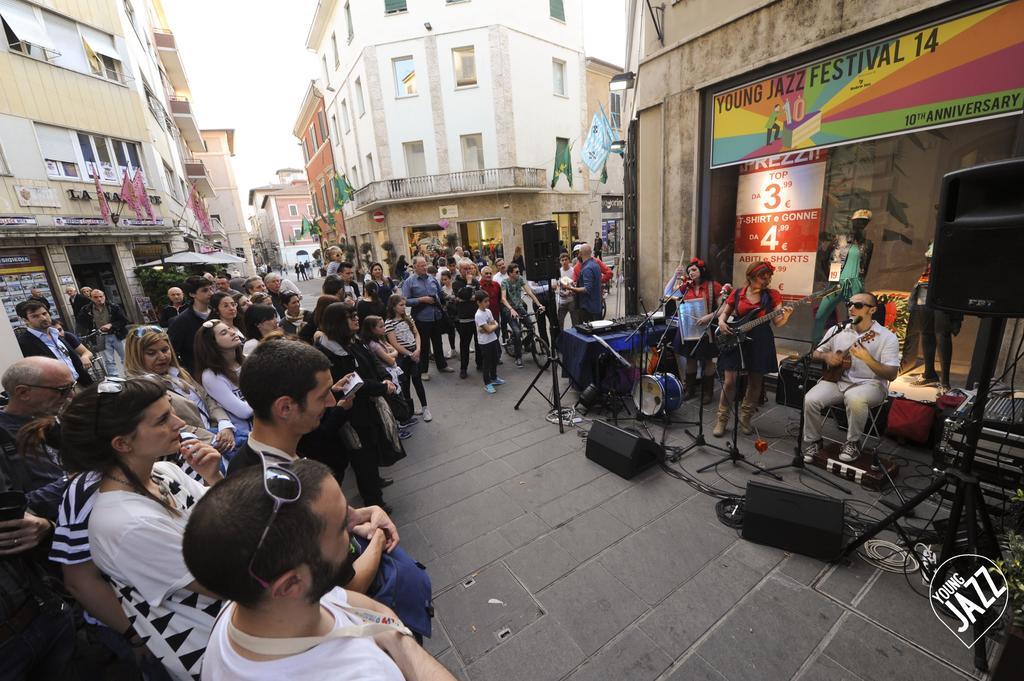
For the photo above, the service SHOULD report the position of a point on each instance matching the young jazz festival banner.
(778, 217)
(963, 69)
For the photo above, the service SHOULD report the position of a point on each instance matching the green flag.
(604, 172)
(350, 191)
(339, 196)
(307, 226)
(563, 161)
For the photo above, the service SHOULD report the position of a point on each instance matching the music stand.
(798, 456)
(698, 440)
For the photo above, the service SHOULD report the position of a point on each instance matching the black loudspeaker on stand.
(980, 205)
(540, 250)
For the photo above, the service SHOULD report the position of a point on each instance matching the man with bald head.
(177, 303)
(589, 290)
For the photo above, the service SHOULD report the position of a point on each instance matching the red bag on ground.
(910, 421)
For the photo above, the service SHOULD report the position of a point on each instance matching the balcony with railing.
(170, 57)
(486, 181)
(185, 119)
(197, 173)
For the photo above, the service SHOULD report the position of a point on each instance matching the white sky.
(248, 68)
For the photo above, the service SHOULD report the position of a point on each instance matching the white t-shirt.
(136, 543)
(339, 659)
(499, 277)
(884, 347)
(485, 317)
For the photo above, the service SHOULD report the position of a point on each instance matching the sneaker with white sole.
(424, 377)
(849, 452)
(448, 354)
(811, 450)
(426, 415)
(489, 388)
(498, 381)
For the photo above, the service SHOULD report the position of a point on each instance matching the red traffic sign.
(378, 216)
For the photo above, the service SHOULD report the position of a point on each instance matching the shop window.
(896, 178)
(464, 60)
(360, 104)
(568, 228)
(558, 77)
(405, 76)
(415, 159)
(58, 152)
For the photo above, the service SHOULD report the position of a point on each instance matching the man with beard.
(283, 582)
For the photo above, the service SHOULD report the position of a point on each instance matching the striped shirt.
(403, 332)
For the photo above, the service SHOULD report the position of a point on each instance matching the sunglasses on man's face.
(857, 305)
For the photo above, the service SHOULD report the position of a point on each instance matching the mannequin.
(936, 329)
(850, 257)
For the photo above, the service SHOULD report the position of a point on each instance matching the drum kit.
(657, 393)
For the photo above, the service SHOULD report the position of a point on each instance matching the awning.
(100, 43)
(22, 21)
(192, 258)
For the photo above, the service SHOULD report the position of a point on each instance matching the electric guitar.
(833, 374)
(730, 341)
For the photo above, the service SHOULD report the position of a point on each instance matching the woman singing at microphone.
(758, 353)
(697, 286)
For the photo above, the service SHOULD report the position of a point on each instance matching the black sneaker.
(462, 374)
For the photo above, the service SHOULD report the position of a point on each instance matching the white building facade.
(445, 117)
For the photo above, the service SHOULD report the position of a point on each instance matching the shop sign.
(17, 220)
(451, 211)
(136, 222)
(778, 218)
(959, 70)
(611, 204)
(20, 272)
(45, 197)
(85, 195)
(62, 221)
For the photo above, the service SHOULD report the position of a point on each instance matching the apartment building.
(278, 210)
(445, 117)
(92, 89)
(315, 138)
(225, 207)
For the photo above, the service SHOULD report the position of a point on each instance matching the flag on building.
(102, 198)
(610, 132)
(349, 191)
(139, 184)
(563, 162)
(596, 146)
(339, 194)
(307, 227)
(128, 195)
(195, 202)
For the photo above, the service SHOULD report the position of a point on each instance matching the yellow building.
(93, 91)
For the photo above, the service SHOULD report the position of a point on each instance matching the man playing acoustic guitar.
(866, 356)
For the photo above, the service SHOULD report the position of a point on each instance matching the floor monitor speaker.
(540, 250)
(979, 239)
(794, 520)
(620, 451)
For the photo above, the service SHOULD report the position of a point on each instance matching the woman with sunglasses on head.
(756, 356)
(130, 518)
(370, 434)
(218, 359)
(260, 320)
(224, 307)
(148, 350)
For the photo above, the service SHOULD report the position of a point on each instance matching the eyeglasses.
(64, 390)
(283, 487)
(143, 330)
(857, 305)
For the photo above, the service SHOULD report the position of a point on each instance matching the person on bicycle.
(109, 323)
(514, 309)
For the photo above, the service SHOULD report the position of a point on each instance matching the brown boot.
(747, 410)
(721, 421)
(709, 388)
(690, 387)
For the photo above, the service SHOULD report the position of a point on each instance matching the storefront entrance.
(425, 238)
(93, 267)
(484, 236)
(568, 228)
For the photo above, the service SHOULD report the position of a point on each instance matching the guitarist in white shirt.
(869, 365)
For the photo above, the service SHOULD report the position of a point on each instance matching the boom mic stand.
(968, 498)
(798, 456)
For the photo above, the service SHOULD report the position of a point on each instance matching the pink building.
(279, 210)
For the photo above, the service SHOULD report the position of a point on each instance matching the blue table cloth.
(583, 357)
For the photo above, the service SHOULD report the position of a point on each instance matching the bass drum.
(655, 394)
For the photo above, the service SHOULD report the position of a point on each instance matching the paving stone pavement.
(546, 566)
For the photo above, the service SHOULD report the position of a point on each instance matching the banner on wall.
(959, 70)
(778, 218)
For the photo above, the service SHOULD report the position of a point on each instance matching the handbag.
(910, 421)
(403, 585)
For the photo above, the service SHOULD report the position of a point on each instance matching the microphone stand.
(798, 456)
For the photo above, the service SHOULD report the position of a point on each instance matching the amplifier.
(794, 520)
(787, 389)
(620, 451)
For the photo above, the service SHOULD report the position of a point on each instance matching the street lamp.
(622, 81)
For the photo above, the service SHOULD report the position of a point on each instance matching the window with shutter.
(58, 151)
(394, 6)
(557, 10)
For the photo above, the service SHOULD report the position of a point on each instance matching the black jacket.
(118, 320)
(33, 347)
(168, 314)
(465, 306)
(78, 302)
(182, 333)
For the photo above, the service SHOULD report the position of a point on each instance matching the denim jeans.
(112, 346)
(44, 650)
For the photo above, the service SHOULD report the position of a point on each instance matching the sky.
(248, 69)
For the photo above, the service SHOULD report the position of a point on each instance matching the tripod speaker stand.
(555, 401)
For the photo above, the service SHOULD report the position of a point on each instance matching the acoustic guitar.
(739, 327)
(833, 374)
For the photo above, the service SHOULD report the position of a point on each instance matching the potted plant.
(1011, 658)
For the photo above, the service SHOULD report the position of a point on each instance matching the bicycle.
(529, 341)
(98, 370)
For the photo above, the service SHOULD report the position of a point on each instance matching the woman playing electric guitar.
(758, 353)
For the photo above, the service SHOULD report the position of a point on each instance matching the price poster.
(778, 218)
